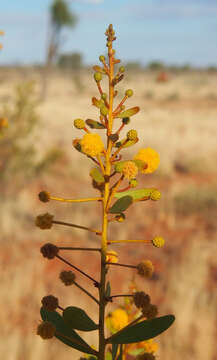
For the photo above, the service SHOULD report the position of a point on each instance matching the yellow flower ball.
(130, 170)
(91, 144)
(150, 157)
(158, 241)
(118, 319)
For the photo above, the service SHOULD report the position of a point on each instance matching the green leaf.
(77, 319)
(69, 336)
(96, 174)
(114, 351)
(137, 194)
(144, 330)
(94, 124)
(128, 143)
(121, 205)
(108, 289)
(129, 112)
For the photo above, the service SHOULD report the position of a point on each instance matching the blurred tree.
(60, 17)
(20, 162)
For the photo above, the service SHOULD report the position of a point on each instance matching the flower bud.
(50, 303)
(141, 299)
(132, 135)
(129, 92)
(97, 76)
(126, 120)
(102, 58)
(155, 195)
(146, 356)
(67, 277)
(46, 330)
(49, 251)
(44, 196)
(104, 96)
(79, 124)
(145, 269)
(150, 311)
(44, 221)
(114, 137)
(122, 69)
(158, 241)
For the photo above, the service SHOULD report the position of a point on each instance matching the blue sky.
(173, 31)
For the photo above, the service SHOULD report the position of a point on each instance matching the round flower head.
(141, 299)
(130, 170)
(150, 311)
(111, 256)
(49, 251)
(150, 346)
(150, 157)
(91, 144)
(67, 277)
(50, 303)
(79, 123)
(46, 330)
(155, 195)
(158, 241)
(145, 268)
(117, 319)
(44, 221)
(44, 196)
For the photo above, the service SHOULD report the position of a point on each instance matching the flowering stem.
(124, 189)
(97, 232)
(75, 200)
(76, 268)
(102, 300)
(59, 307)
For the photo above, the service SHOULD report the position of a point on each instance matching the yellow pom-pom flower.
(130, 170)
(117, 320)
(91, 144)
(150, 157)
(111, 256)
(158, 241)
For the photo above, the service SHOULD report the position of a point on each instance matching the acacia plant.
(108, 175)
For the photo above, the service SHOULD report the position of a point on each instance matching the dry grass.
(179, 120)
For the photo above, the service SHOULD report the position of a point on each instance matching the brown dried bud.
(67, 277)
(44, 196)
(145, 268)
(46, 330)
(150, 311)
(44, 221)
(141, 299)
(50, 302)
(49, 250)
(114, 137)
